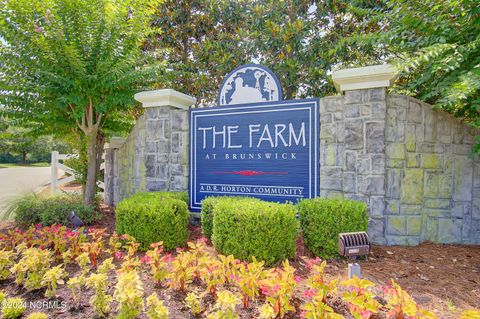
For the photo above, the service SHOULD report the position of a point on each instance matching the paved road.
(16, 181)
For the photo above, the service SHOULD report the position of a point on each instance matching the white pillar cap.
(165, 97)
(369, 77)
(115, 142)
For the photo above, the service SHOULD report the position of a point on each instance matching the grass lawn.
(7, 165)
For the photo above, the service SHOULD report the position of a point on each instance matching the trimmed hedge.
(322, 220)
(247, 227)
(33, 209)
(153, 217)
(183, 196)
(207, 211)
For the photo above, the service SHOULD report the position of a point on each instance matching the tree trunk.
(100, 149)
(90, 185)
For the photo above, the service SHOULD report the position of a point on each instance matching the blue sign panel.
(265, 150)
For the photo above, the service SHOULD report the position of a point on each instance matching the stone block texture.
(432, 178)
(154, 156)
(410, 164)
(353, 152)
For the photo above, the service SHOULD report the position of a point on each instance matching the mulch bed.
(441, 278)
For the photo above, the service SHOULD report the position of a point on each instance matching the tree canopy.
(74, 65)
(203, 40)
(435, 46)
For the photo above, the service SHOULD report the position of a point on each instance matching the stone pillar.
(110, 173)
(357, 145)
(166, 139)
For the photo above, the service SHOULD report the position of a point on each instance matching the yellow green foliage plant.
(83, 261)
(231, 267)
(470, 314)
(279, 287)
(52, 278)
(266, 311)
(316, 308)
(159, 265)
(130, 244)
(114, 244)
(13, 308)
(199, 256)
(213, 276)
(248, 280)
(192, 301)
(75, 284)
(182, 272)
(106, 266)
(31, 268)
(7, 259)
(401, 305)
(37, 315)
(94, 246)
(129, 295)
(316, 279)
(361, 300)
(156, 308)
(100, 300)
(224, 307)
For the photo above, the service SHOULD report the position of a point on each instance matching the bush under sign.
(265, 150)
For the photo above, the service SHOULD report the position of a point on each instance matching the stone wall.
(409, 163)
(352, 151)
(433, 183)
(154, 156)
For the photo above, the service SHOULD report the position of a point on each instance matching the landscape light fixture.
(353, 245)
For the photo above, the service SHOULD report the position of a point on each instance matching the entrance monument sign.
(254, 145)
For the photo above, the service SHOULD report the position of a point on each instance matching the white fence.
(56, 166)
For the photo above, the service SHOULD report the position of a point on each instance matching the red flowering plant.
(361, 300)
(279, 287)
(402, 306)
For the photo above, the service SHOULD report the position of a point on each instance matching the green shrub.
(32, 209)
(247, 227)
(13, 308)
(154, 217)
(322, 220)
(183, 196)
(207, 211)
(26, 210)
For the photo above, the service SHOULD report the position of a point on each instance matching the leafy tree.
(16, 140)
(296, 39)
(73, 66)
(435, 46)
(206, 39)
(202, 40)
